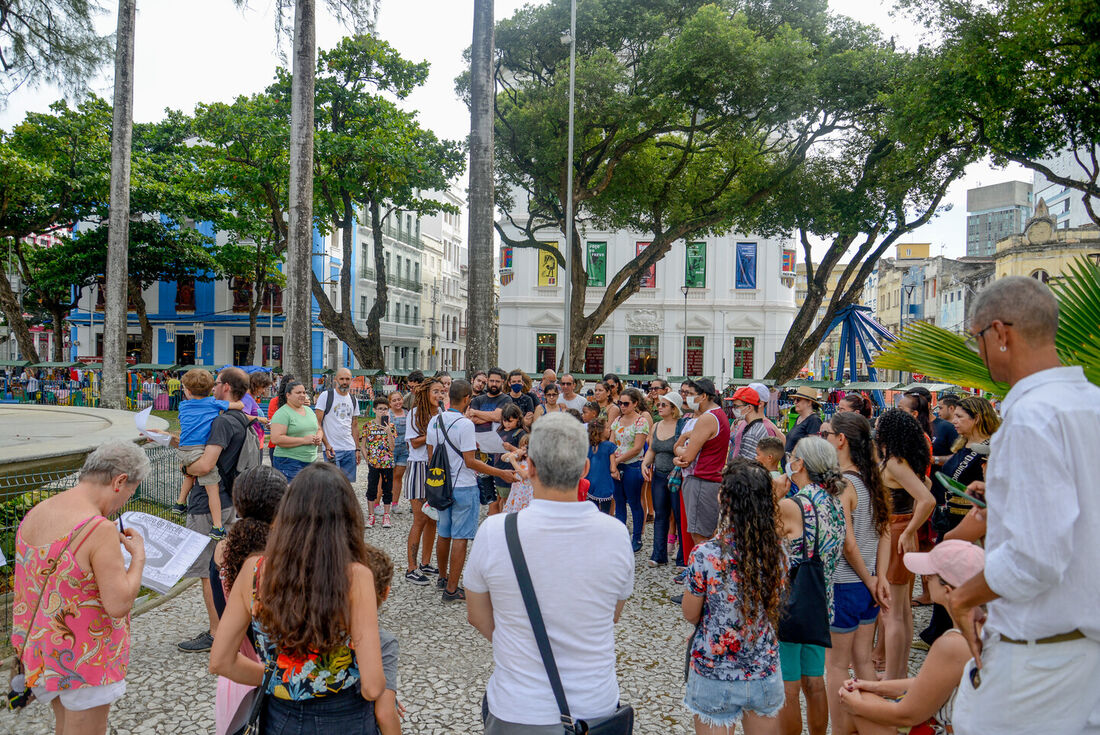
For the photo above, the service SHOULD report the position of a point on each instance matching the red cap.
(747, 395)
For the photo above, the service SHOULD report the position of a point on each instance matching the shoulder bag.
(621, 721)
(254, 724)
(438, 483)
(805, 618)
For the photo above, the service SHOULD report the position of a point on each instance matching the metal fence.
(20, 493)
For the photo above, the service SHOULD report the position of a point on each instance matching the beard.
(493, 390)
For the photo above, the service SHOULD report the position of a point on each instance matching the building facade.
(994, 212)
(718, 306)
(445, 286)
(1065, 206)
(1045, 250)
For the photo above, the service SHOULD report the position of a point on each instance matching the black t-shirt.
(943, 436)
(525, 401)
(809, 426)
(486, 402)
(227, 432)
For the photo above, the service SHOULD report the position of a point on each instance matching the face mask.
(693, 402)
(494, 390)
(516, 387)
(740, 412)
(790, 469)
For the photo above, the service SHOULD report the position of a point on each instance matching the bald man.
(338, 414)
(1037, 658)
(549, 377)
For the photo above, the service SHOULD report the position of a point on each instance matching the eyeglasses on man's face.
(972, 339)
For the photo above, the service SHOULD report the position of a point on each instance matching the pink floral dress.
(519, 497)
(71, 642)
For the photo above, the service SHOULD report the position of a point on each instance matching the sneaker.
(920, 645)
(427, 569)
(370, 521)
(217, 533)
(430, 512)
(458, 595)
(202, 642)
(678, 599)
(637, 546)
(416, 578)
(441, 583)
(653, 563)
(179, 509)
(679, 578)
(386, 521)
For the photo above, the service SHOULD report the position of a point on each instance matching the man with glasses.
(1041, 579)
(569, 397)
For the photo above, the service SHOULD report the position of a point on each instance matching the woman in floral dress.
(734, 591)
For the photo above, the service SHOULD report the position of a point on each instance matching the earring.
(1004, 349)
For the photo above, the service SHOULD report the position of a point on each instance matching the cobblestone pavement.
(444, 662)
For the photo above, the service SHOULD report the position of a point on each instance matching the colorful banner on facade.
(649, 278)
(596, 267)
(548, 267)
(695, 275)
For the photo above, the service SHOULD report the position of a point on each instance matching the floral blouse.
(379, 453)
(623, 436)
(830, 522)
(300, 678)
(724, 646)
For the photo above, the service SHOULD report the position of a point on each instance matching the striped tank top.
(863, 527)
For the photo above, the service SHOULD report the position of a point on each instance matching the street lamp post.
(684, 291)
(568, 286)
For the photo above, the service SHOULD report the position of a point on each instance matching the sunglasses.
(624, 404)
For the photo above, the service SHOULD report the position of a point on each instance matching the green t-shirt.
(297, 425)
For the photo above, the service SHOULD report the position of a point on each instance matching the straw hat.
(809, 394)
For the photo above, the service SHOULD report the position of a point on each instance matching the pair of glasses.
(624, 404)
(827, 434)
(972, 339)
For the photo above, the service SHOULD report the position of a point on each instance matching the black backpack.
(438, 483)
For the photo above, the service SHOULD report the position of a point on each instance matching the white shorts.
(83, 698)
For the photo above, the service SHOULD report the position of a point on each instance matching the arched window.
(1041, 275)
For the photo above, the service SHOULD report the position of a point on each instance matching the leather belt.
(1074, 635)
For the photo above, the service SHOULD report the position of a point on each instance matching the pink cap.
(956, 561)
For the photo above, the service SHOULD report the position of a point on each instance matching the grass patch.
(172, 417)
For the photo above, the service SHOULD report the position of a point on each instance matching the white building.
(446, 263)
(1065, 205)
(733, 319)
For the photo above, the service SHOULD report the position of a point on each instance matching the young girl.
(601, 486)
(519, 497)
(511, 431)
(741, 575)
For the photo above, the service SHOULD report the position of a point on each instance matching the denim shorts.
(721, 703)
(460, 520)
(853, 606)
(401, 454)
(345, 712)
(801, 659)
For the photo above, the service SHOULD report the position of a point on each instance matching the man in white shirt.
(338, 413)
(569, 397)
(1037, 662)
(457, 525)
(580, 600)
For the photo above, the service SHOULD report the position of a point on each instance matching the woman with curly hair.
(904, 456)
(310, 602)
(813, 521)
(256, 497)
(735, 587)
(857, 584)
(428, 401)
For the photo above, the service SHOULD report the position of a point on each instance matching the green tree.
(57, 276)
(1023, 73)
(690, 118)
(50, 42)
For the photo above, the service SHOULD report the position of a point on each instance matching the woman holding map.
(71, 627)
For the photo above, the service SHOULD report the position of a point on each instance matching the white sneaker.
(378, 510)
(430, 512)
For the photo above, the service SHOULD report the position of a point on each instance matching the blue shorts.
(801, 659)
(401, 454)
(460, 520)
(853, 606)
(720, 703)
(345, 460)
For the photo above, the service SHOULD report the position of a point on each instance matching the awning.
(185, 368)
(869, 385)
(152, 366)
(48, 365)
(14, 363)
(930, 387)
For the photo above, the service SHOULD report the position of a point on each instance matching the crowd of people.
(799, 559)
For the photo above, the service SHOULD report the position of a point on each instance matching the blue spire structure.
(859, 328)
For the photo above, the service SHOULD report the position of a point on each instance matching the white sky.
(206, 51)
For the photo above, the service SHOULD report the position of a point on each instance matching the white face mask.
(740, 412)
(693, 402)
(790, 468)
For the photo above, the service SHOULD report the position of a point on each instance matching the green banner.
(695, 276)
(597, 264)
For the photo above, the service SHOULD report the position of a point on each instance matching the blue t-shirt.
(196, 417)
(601, 485)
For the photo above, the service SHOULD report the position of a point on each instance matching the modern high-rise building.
(1066, 206)
(995, 212)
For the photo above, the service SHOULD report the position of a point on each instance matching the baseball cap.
(705, 386)
(956, 561)
(763, 391)
(747, 394)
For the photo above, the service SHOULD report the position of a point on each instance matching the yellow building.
(824, 359)
(1043, 251)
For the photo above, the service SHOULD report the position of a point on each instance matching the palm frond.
(944, 357)
(939, 354)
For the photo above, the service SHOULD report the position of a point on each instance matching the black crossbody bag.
(621, 721)
(805, 617)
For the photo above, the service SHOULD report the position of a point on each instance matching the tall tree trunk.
(17, 325)
(481, 352)
(57, 318)
(298, 335)
(253, 313)
(138, 298)
(381, 291)
(118, 233)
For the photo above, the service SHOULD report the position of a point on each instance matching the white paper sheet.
(141, 418)
(489, 442)
(170, 549)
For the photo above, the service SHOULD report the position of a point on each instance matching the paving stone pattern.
(444, 662)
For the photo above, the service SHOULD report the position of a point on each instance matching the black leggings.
(385, 474)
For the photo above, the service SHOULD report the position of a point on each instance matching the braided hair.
(821, 462)
(256, 496)
(898, 435)
(748, 514)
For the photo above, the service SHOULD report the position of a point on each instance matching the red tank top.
(712, 457)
